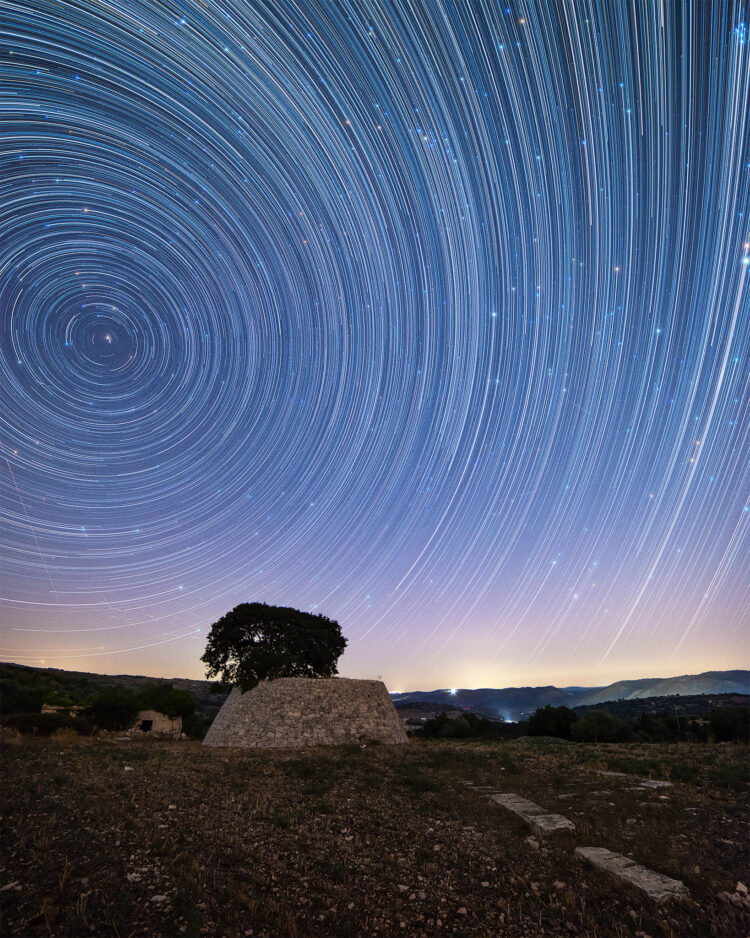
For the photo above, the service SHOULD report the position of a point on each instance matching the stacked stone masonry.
(293, 712)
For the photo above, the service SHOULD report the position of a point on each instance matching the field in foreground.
(104, 836)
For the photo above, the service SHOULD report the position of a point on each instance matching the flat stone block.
(517, 805)
(654, 783)
(657, 886)
(539, 819)
(550, 823)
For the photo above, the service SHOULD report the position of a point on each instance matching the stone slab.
(654, 783)
(543, 824)
(517, 805)
(540, 820)
(657, 886)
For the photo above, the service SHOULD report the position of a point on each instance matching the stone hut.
(151, 721)
(293, 712)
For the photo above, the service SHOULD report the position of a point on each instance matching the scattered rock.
(461, 911)
(736, 899)
(741, 887)
(128, 768)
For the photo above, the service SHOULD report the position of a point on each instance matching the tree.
(729, 723)
(255, 642)
(165, 699)
(552, 721)
(113, 708)
(599, 726)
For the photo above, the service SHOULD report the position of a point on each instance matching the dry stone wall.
(293, 712)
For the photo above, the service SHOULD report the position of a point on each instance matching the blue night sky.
(432, 317)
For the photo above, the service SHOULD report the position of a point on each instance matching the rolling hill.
(516, 703)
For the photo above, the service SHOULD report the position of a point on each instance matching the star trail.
(431, 317)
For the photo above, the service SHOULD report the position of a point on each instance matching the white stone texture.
(293, 712)
(539, 819)
(161, 724)
(656, 885)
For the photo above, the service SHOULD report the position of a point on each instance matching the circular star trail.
(432, 317)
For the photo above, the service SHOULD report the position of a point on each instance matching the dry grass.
(380, 841)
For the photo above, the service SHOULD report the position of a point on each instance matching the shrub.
(113, 709)
(552, 721)
(165, 699)
(598, 726)
(20, 698)
(466, 726)
(195, 727)
(729, 723)
(731, 775)
(44, 724)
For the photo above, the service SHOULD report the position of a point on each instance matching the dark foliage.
(24, 690)
(194, 726)
(165, 699)
(44, 724)
(467, 726)
(598, 726)
(113, 709)
(255, 642)
(730, 723)
(552, 721)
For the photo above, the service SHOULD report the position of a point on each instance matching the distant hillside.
(709, 682)
(80, 684)
(516, 703)
(507, 703)
(695, 705)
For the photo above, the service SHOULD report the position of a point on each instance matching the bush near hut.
(45, 724)
(113, 709)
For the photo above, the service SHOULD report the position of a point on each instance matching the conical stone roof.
(293, 712)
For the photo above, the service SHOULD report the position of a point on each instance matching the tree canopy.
(255, 642)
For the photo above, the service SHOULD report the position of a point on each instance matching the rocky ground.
(108, 836)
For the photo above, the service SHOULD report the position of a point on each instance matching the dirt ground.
(108, 836)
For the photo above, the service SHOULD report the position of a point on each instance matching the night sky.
(432, 317)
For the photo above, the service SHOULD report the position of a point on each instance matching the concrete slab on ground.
(540, 820)
(657, 886)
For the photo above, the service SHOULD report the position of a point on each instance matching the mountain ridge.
(515, 703)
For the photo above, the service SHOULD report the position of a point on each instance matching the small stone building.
(151, 721)
(293, 712)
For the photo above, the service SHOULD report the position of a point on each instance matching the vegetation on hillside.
(724, 724)
(86, 704)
